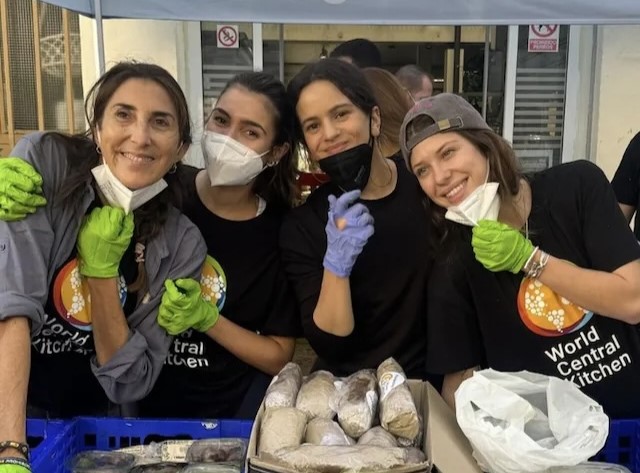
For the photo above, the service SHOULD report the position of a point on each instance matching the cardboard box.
(446, 447)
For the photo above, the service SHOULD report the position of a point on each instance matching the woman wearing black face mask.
(355, 251)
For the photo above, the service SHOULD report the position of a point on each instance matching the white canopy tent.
(367, 12)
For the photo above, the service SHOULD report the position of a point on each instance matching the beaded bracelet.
(15, 461)
(20, 447)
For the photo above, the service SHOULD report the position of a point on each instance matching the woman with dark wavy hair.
(238, 202)
(82, 276)
(354, 251)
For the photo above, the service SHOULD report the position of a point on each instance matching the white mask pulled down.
(229, 162)
(119, 195)
(482, 204)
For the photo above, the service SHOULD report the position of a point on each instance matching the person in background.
(539, 273)
(82, 276)
(418, 82)
(235, 325)
(394, 102)
(626, 183)
(360, 52)
(361, 292)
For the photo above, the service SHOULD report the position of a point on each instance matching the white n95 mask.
(119, 195)
(229, 162)
(482, 204)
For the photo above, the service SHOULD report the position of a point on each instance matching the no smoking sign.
(228, 36)
(544, 38)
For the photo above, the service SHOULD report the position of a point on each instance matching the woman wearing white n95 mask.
(221, 368)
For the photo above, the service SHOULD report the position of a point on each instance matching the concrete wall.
(170, 44)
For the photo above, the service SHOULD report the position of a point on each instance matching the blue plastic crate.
(623, 444)
(41, 432)
(90, 433)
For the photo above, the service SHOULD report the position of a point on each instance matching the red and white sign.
(544, 38)
(228, 36)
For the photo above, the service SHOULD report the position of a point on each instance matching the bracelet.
(20, 447)
(526, 267)
(15, 461)
(537, 267)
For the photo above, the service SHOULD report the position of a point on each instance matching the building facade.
(576, 101)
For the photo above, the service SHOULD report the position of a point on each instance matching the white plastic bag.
(526, 422)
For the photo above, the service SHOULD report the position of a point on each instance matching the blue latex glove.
(348, 229)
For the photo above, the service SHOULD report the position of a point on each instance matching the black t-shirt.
(509, 323)
(61, 382)
(626, 181)
(388, 281)
(244, 276)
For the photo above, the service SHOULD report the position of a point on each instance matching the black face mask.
(349, 169)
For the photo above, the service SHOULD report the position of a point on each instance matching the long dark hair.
(503, 169)
(276, 184)
(346, 77)
(82, 154)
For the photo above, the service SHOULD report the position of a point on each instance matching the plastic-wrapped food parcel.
(365, 422)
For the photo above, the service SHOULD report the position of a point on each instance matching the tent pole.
(258, 60)
(485, 71)
(99, 32)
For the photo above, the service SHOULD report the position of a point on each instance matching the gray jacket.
(32, 250)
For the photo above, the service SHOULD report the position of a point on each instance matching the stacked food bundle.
(367, 421)
(225, 455)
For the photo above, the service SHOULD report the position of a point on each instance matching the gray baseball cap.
(449, 112)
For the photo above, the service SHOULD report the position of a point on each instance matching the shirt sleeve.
(454, 341)
(26, 246)
(608, 240)
(626, 181)
(132, 372)
(303, 245)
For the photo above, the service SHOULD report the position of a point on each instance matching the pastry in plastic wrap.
(415, 455)
(224, 450)
(211, 468)
(358, 403)
(417, 441)
(378, 437)
(165, 467)
(326, 432)
(145, 454)
(283, 390)
(107, 462)
(316, 395)
(320, 459)
(281, 427)
(398, 413)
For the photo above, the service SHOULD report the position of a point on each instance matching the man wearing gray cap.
(527, 266)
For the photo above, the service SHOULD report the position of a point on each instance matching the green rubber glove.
(20, 189)
(182, 307)
(500, 247)
(11, 468)
(104, 237)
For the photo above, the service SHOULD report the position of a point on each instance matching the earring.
(98, 149)
(270, 164)
(174, 168)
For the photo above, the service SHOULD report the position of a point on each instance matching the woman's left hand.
(183, 307)
(500, 247)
